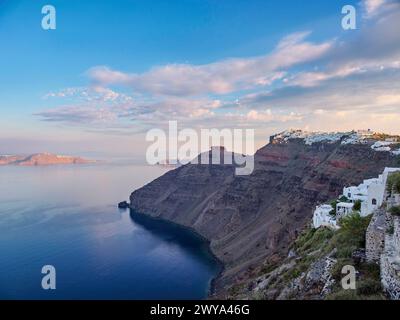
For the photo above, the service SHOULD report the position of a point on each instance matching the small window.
(349, 195)
(374, 202)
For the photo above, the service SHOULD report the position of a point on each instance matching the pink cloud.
(220, 77)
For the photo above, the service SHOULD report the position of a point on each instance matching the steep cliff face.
(253, 219)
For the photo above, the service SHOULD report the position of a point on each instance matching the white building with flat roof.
(371, 193)
(323, 218)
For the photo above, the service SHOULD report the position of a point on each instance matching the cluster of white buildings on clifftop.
(370, 194)
(389, 144)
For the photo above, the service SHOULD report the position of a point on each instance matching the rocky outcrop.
(253, 219)
(316, 282)
(123, 205)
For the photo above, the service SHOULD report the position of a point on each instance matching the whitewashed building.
(343, 209)
(323, 218)
(382, 146)
(371, 193)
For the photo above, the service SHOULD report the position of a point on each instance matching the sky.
(112, 70)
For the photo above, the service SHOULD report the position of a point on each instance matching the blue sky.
(113, 69)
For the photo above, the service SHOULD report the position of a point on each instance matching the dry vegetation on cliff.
(313, 269)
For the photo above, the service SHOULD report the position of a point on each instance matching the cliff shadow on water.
(185, 237)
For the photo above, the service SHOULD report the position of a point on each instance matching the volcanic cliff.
(253, 219)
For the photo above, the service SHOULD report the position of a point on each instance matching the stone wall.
(375, 236)
(395, 222)
(383, 247)
(396, 235)
(390, 260)
(390, 269)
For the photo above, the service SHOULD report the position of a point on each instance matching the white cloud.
(376, 47)
(90, 94)
(268, 116)
(310, 79)
(373, 6)
(220, 77)
(79, 115)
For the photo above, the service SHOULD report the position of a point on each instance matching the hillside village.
(379, 197)
(364, 198)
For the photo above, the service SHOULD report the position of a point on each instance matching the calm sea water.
(66, 216)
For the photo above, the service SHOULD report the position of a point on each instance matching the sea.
(66, 217)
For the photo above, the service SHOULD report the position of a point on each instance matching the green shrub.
(333, 204)
(257, 296)
(291, 274)
(304, 237)
(370, 271)
(395, 210)
(393, 182)
(350, 236)
(343, 199)
(355, 227)
(268, 267)
(346, 251)
(369, 287)
(313, 240)
(357, 205)
(337, 269)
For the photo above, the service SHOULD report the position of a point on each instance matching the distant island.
(40, 159)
